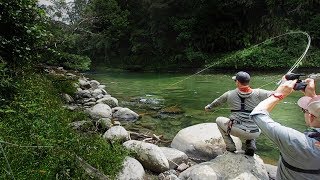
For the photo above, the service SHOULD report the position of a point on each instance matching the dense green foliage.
(36, 118)
(27, 37)
(22, 32)
(36, 140)
(271, 54)
(159, 34)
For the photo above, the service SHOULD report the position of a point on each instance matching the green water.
(190, 94)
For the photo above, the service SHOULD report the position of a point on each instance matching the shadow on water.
(167, 107)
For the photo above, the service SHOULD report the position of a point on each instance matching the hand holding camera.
(311, 88)
(300, 85)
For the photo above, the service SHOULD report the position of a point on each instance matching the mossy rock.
(172, 110)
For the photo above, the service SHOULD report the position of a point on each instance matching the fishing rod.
(300, 85)
(295, 65)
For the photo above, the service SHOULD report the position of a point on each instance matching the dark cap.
(242, 77)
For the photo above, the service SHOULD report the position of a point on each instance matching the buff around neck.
(245, 89)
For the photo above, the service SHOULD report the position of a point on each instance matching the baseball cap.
(242, 77)
(310, 104)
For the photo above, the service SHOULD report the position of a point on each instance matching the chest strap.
(242, 108)
(308, 171)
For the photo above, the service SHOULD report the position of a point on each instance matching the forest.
(140, 35)
(154, 35)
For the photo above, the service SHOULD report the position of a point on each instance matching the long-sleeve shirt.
(298, 149)
(232, 98)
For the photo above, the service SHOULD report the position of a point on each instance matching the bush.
(6, 86)
(36, 118)
(77, 62)
(22, 32)
(273, 54)
(67, 60)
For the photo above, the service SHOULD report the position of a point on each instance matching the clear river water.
(169, 102)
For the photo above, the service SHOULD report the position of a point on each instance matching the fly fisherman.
(241, 101)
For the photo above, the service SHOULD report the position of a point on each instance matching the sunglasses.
(304, 110)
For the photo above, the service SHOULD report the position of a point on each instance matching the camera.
(300, 85)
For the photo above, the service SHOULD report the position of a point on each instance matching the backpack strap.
(242, 108)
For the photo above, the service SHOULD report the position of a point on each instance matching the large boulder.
(150, 155)
(203, 172)
(174, 156)
(84, 84)
(109, 100)
(94, 84)
(132, 169)
(272, 171)
(100, 111)
(104, 124)
(97, 93)
(124, 114)
(116, 133)
(202, 142)
(228, 166)
(83, 94)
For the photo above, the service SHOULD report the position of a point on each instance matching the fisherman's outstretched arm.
(218, 101)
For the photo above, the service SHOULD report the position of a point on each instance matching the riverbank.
(37, 140)
(177, 160)
(37, 114)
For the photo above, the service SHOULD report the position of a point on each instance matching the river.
(184, 96)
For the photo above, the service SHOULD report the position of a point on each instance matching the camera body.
(300, 85)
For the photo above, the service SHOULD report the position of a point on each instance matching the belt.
(246, 130)
(250, 131)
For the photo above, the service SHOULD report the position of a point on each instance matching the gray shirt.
(296, 148)
(233, 100)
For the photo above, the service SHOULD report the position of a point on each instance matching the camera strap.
(309, 171)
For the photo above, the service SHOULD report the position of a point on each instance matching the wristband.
(278, 95)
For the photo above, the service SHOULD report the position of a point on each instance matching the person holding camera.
(299, 152)
(241, 100)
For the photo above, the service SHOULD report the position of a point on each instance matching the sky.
(47, 2)
(63, 18)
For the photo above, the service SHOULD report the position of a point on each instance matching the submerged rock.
(172, 110)
(151, 99)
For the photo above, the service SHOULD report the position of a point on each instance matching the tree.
(22, 32)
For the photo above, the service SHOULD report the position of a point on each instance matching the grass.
(37, 141)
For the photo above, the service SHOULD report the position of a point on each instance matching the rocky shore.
(196, 152)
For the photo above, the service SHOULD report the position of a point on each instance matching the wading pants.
(222, 123)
